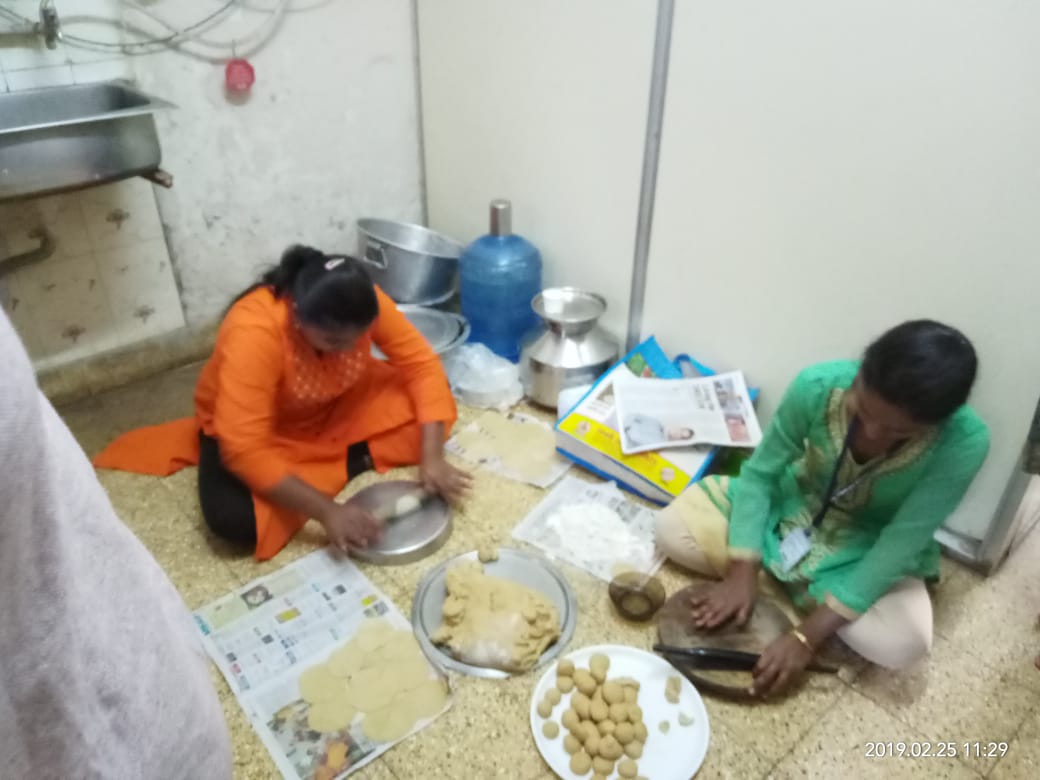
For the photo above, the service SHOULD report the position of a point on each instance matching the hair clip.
(334, 262)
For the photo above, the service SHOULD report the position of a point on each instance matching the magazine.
(656, 414)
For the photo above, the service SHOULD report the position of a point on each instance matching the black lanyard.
(832, 492)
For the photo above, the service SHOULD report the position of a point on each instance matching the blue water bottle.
(500, 274)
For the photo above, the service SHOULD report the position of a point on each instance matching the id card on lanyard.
(797, 544)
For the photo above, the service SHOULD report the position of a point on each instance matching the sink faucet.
(49, 26)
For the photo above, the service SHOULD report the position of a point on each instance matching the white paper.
(262, 636)
(601, 547)
(655, 414)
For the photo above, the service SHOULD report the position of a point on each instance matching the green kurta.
(878, 533)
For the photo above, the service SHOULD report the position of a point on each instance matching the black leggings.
(227, 503)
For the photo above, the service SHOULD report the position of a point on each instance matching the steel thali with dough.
(527, 569)
(405, 539)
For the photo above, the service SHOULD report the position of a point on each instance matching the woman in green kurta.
(861, 464)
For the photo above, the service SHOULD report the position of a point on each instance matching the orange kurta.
(278, 407)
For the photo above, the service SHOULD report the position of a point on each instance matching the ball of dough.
(613, 693)
(628, 768)
(592, 744)
(641, 731)
(571, 744)
(625, 733)
(487, 554)
(565, 668)
(598, 695)
(584, 682)
(406, 504)
(545, 708)
(619, 712)
(603, 766)
(610, 748)
(581, 763)
(599, 664)
(586, 730)
(550, 729)
(664, 726)
(599, 711)
(553, 696)
(565, 684)
(685, 720)
(596, 775)
(580, 704)
(631, 695)
(606, 727)
(570, 720)
(635, 713)
(634, 749)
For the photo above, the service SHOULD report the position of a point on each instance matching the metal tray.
(527, 569)
(405, 539)
(442, 329)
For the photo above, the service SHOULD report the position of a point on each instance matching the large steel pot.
(412, 264)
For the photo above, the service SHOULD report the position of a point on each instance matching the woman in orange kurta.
(292, 405)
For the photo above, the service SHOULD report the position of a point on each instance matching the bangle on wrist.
(803, 639)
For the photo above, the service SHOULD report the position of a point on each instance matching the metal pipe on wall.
(651, 158)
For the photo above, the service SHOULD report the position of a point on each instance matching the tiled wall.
(110, 282)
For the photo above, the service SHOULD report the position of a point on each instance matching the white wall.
(330, 134)
(543, 103)
(830, 169)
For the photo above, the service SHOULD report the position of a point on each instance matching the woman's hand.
(349, 527)
(440, 477)
(733, 597)
(782, 662)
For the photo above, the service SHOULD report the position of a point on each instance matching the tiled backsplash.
(109, 282)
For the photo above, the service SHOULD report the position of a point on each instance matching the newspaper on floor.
(263, 636)
(593, 527)
(513, 445)
(655, 414)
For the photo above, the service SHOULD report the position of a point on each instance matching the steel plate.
(443, 330)
(409, 538)
(530, 570)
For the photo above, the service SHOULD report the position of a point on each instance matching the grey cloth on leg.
(102, 673)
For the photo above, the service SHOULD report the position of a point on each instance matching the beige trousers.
(894, 633)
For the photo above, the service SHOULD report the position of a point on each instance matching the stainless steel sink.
(64, 138)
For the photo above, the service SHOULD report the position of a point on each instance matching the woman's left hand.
(440, 477)
(782, 662)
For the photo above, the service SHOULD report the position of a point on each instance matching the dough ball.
(610, 748)
(641, 732)
(545, 708)
(635, 713)
(613, 693)
(487, 554)
(597, 695)
(603, 766)
(672, 697)
(606, 727)
(565, 668)
(550, 729)
(625, 733)
(584, 682)
(634, 749)
(598, 675)
(592, 745)
(596, 775)
(685, 720)
(570, 719)
(599, 664)
(587, 730)
(580, 704)
(406, 504)
(571, 744)
(631, 695)
(581, 763)
(619, 713)
(599, 711)
(627, 768)
(553, 696)
(565, 684)
(664, 726)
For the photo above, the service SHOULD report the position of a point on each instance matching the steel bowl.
(412, 264)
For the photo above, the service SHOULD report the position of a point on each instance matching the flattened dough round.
(330, 716)
(318, 684)
(388, 724)
(347, 660)
(371, 689)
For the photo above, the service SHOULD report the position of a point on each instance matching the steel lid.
(443, 330)
(405, 539)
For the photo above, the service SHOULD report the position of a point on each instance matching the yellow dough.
(318, 684)
(641, 731)
(545, 708)
(550, 730)
(580, 704)
(631, 695)
(565, 684)
(628, 768)
(584, 682)
(565, 668)
(592, 745)
(618, 713)
(685, 720)
(346, 661)
(571, 744)
(372, 688)
(587, 730)
(664, 726)
(613, 693)
(603, 766)
(493, 622)
(581, 763)
(487, 554)
(388, 724)
(330, 715)
(634, 749)
(672, 689)
(610, 748)
(635, 712)
(599, 711)
(526, 449)
(625, 733)
(570, 720)
(606, 727)
(599, 665)
(553, 696)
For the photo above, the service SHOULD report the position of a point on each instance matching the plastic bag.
(481, 378)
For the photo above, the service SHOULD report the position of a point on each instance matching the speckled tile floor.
(979, 685)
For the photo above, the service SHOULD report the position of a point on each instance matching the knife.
(719, 659)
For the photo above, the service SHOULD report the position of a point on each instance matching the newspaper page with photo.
(655, 414)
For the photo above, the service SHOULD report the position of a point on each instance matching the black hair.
(327, 291)
(925, 368)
